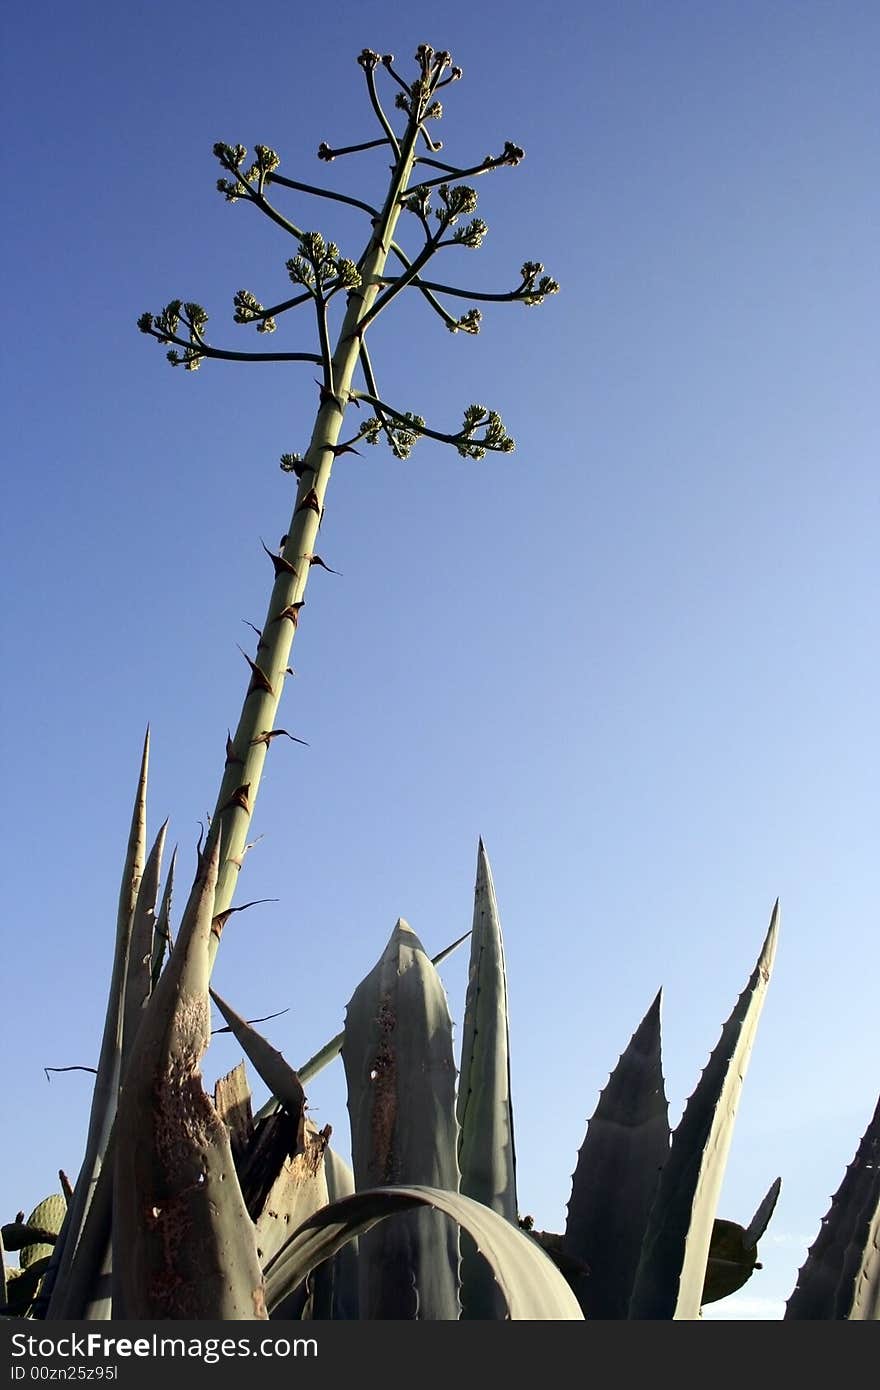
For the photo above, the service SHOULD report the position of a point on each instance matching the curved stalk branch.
(377, 107)
(462, 439)
(428, 285)
(424, 287)
(511, 156)
(327, 153)
(326, 192)
(204, 350)
(369, 378)
(324, 335)
(254, 196)
(395, 286)
(275, 309)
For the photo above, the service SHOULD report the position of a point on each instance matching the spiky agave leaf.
(401, 1099)
(105, 1093)
(669, 1280)
(138, 973)
(486, 1152)
(531, 1286)
(331, 1050)
(183, 1243)
(618, 1167)
(733, 1250)
(840, 1277)
(277, 1073)
(162, 926)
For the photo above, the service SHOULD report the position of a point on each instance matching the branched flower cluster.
(232, 157)
(532, 290)
(320, 266)
(166, 328)
(468, 323)
(248, 309)
(494, 437)
(401, 436)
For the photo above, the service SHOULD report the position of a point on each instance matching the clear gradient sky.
(638, 655)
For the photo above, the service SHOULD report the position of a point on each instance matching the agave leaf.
(761, 1219)
(138, 978)
(104, 1096)
(401, 1100)
(840, 1277)
(86, 1291)
(339, 1301)
(671, 1272)
(733, 1250)
(183, 1243)
(532, 1287)
(486, 1152)
(326, 1054)
(614, 1182)
(278, 1074)
(330, 1293)
(162, 925)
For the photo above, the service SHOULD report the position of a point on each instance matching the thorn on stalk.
(259, 679)
(249, 1021)
(281, 565)
(327, 395)
(316, 560)
(219, 922)
(310, 502)
(238, 799)
(230, 751)
(268, 734)
(291, 612)
(238, 859)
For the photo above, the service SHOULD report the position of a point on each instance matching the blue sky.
(638, 655)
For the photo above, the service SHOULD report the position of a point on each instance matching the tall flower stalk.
(439, 202)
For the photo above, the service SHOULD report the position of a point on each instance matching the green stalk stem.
(241, 779)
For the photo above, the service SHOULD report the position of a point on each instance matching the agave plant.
(191, 1206)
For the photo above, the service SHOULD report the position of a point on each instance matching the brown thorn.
(337, 449)
(253, 626)
(326, 394)
(268, 734)
(316, 560)
(238, 798)
(249, 1021)
(310, 502)
(230, 751)
(291, 612)
(259, 679)
(282, 566)
(219, 922)
(238, 860)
